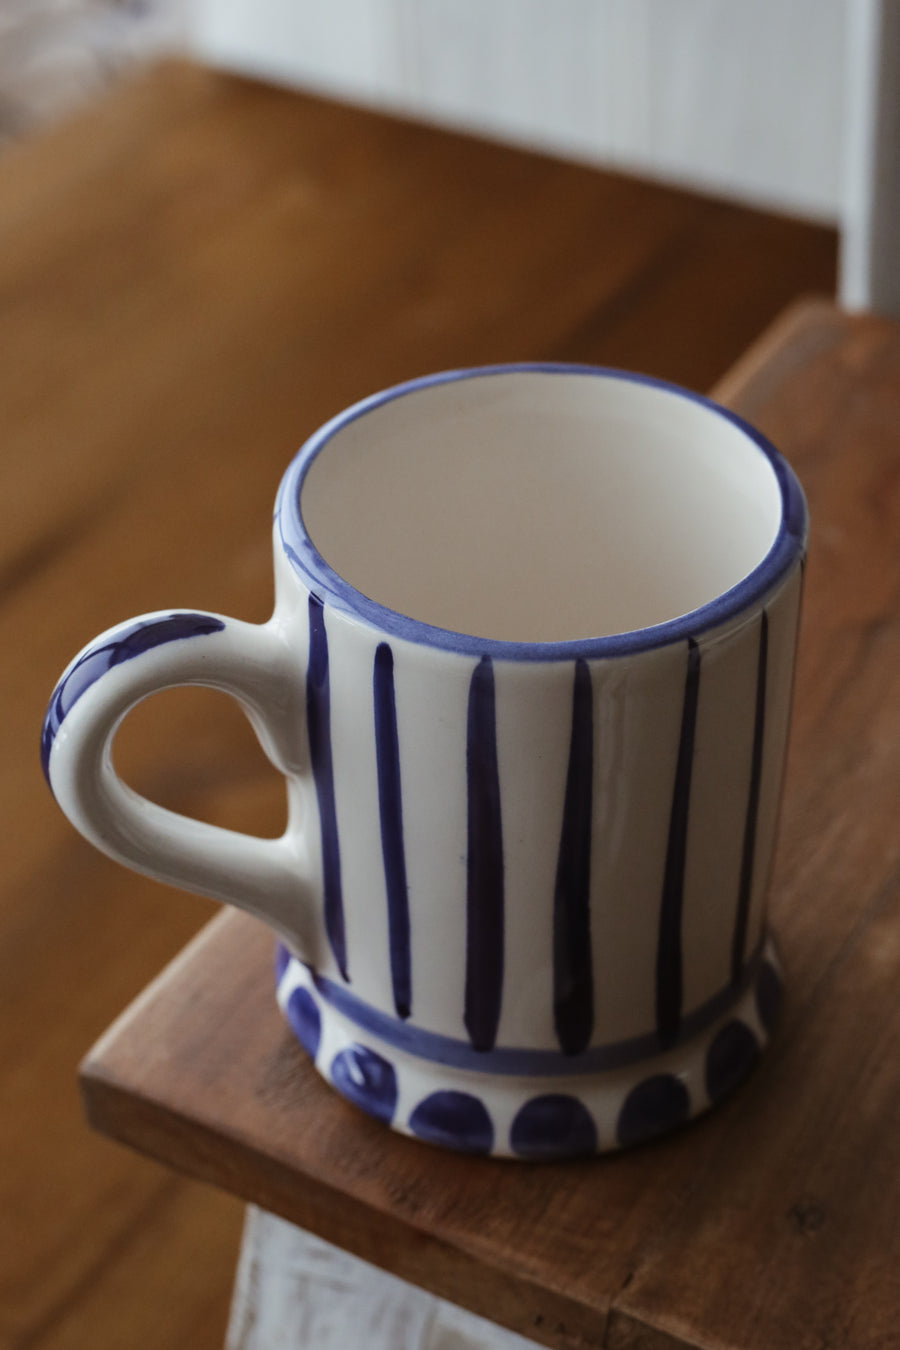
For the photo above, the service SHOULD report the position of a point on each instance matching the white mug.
(528, 679)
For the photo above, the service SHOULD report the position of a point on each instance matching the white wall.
(740, 97)
(870, 253)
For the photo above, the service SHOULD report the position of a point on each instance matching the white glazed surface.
(538, 510)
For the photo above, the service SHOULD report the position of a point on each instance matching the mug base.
(531, 1117)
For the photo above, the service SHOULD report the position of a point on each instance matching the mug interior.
(541, 505)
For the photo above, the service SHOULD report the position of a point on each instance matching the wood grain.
(193, 275)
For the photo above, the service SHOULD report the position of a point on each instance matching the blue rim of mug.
(328, 585)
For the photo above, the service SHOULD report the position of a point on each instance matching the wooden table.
(774, 1222)
(193, 275)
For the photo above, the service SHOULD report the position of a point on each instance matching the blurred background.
(792, 107)
(744, 100)
(55, 54)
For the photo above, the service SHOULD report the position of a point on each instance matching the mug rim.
(328, 585)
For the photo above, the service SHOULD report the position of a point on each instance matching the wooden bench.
(773, 1223)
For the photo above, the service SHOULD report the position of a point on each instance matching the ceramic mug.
(528, 679)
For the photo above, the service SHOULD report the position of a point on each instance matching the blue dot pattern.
(730, 1058)
(303, 1016)
(455, 1120)
(555, 1126)
(769, 990)
(367, 1080)
(656, 1105)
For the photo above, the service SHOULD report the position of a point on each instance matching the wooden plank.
(193, 275)
(770, 1223)
(670, 322)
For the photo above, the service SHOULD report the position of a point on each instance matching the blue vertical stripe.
(573, 983)
(739, 941)
(484, 877)
(669, 975)
(390, 805)
(318, 720)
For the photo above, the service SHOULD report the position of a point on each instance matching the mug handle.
(270, 878)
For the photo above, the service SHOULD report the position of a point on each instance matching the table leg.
(295, 1292)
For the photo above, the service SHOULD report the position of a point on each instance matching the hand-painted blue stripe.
(138, 637)
(282, 961)
(573, 981)
(430, 1045)
(318, 719)
(390, 804)
(484, 891)
(668, 952)
(739, 940)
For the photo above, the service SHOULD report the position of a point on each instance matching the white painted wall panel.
(343, 46)
(739, 97)
(749, 97)
(296, 1292)
(870, 261)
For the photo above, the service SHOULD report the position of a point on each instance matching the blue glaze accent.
(318, 720)
(654, 1107)
(367, 1080)
(668, 953)
(456, 1120)
(282, 961)
(732, 1055)
(390, 804)
(461, 1054)
(573, 980)
(316, 573)
(769, 996)
(303, 1016)
(97, 660)
(484, 864)
(555, 1126)
(739, 940)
